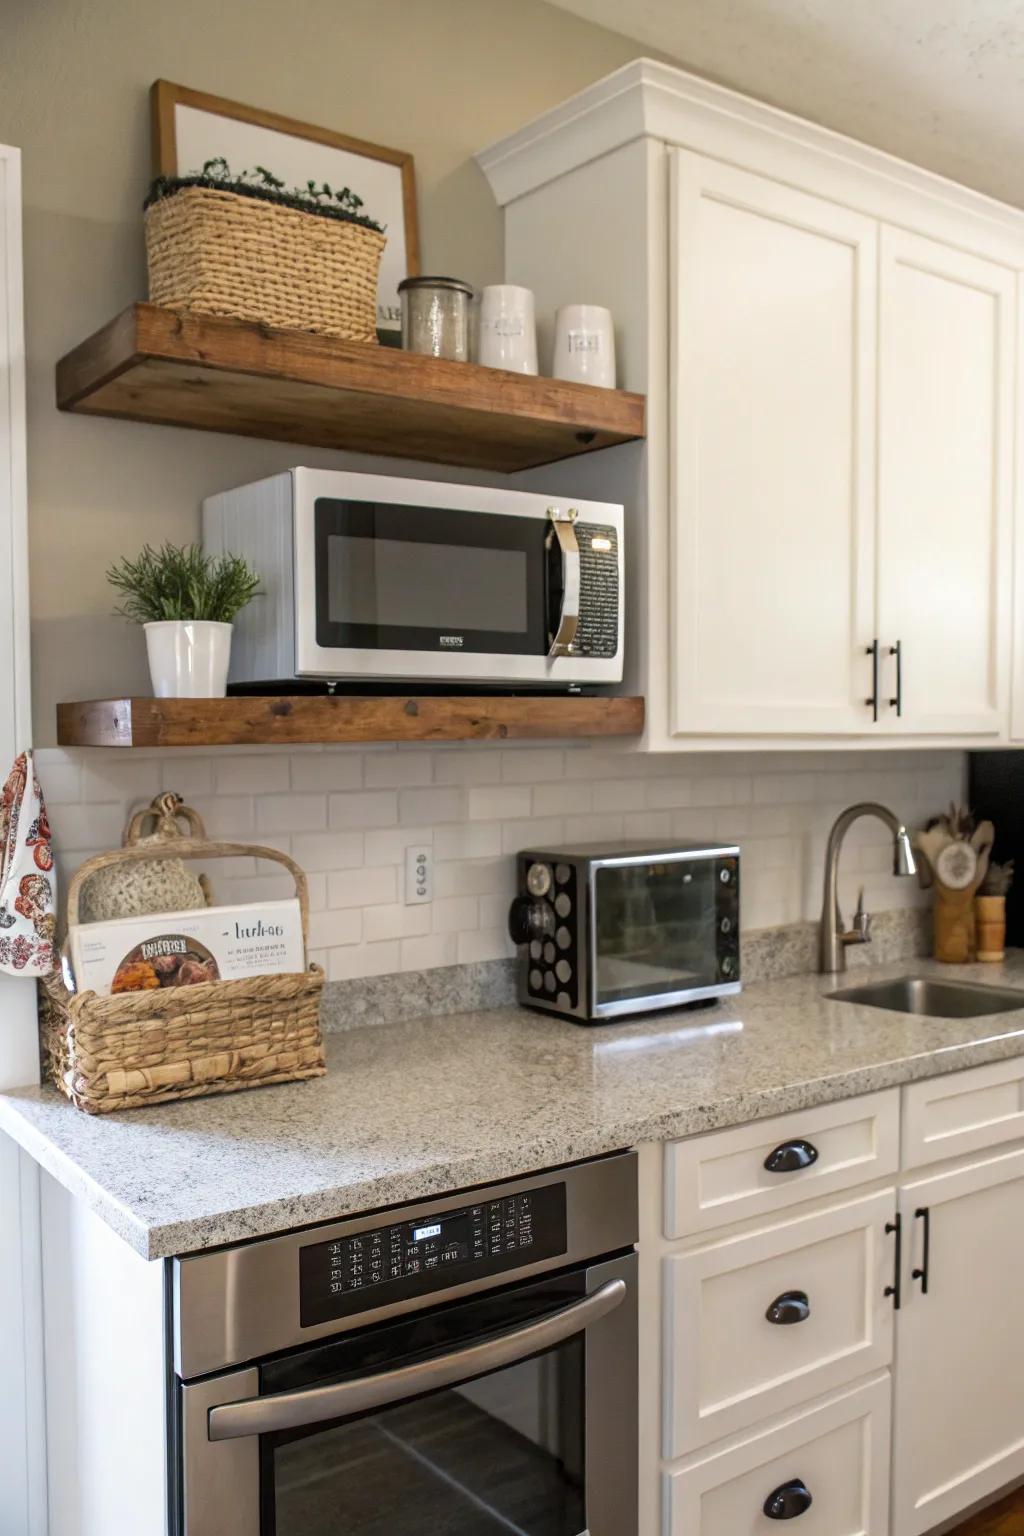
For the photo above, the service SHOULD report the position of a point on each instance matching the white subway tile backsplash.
(325, 771)
(251, 775)
(329, 928)
(348, 815)
(396, 921)
(498, 802)
(362, 888)
(370, 808)
(419, 806)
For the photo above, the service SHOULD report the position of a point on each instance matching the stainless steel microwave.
(620, 928)
(372, 577)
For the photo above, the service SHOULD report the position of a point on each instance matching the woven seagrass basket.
(223, 253)
(137, 1048)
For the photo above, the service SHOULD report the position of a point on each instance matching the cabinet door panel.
(772, 495)
(945, 484)
(959, 1429)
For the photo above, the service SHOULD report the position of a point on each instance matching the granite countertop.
(412, 1109)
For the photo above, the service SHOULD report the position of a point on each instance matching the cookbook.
(185, 949)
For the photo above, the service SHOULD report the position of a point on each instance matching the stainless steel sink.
(938, 999)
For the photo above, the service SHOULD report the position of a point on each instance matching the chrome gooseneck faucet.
(832, 950)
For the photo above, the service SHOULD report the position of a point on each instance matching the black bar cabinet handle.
(788, 1501)
(897, 651)
(872, 651)
(923, 1213)
(791, 1157)
(895, 1290)
(791, 1307)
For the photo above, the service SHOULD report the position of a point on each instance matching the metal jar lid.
(453, 283)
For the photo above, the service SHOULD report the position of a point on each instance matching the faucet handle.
(860, 933)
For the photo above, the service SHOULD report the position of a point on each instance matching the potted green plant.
(186, 601)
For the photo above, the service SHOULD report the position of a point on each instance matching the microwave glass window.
(407, 578)
(497, 1455)
(430, 586)
(655, 928)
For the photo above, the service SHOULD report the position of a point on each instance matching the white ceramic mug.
(507, 336)
(584, 345)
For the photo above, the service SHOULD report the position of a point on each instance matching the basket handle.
(189, 848)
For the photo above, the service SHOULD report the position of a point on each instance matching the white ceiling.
(938, 82)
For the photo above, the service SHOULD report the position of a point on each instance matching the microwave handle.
(569, 618)
(297, 1410)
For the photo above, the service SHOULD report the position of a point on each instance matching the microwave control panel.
(391, 1262)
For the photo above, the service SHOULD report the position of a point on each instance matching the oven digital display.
(382, 1264)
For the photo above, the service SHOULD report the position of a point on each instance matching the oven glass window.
(656, 928)
(501, 1456)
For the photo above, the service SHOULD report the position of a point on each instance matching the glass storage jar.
(435, 317)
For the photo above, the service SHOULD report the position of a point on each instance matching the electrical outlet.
(419, 875)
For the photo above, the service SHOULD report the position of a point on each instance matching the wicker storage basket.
(223, 253)
(138, 1048)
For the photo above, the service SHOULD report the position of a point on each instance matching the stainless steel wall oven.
(466, 1366)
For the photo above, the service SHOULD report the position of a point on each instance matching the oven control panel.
(382, 1264)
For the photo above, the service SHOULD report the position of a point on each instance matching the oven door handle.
(569, 618)
(297, 1410)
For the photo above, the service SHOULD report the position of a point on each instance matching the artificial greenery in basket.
(217, 175)
(186, 601)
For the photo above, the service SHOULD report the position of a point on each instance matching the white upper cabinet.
(828, 341)
(946, 355)
(772, 447)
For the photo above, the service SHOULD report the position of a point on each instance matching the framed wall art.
(191, 127)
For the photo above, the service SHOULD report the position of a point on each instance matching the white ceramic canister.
(507, 336)
(188, 659)
(584, 345)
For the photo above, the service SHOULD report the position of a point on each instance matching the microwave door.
(428, 590)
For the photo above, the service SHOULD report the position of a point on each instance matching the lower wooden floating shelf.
(296, 721)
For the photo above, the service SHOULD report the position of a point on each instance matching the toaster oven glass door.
(657, 929)
(406, 578)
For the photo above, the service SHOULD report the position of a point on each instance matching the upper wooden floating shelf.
(295, 721)
(190, 370)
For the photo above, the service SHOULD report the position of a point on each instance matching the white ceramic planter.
(188, 659)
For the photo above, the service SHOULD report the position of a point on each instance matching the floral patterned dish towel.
(28, 881)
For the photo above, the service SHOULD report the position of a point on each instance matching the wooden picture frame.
(168, 101)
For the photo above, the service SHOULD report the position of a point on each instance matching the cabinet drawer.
(963, 1112)
(729, 1366)
(838, 1452)
(720, 1178)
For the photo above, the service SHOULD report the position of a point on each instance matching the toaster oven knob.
(538, 879)
(529, 919)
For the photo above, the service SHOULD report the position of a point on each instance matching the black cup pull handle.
(790, 1307)
(788, 1501)
(791, 1157)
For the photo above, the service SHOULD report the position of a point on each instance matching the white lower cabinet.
(762, 1322)
(828, 1467)
(959, 1375)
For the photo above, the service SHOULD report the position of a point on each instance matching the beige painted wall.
(441, 78)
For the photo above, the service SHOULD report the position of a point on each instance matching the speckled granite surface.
(428, 1105)
(768, 953)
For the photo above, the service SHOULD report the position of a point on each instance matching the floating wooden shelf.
(294, 721)
(189, 370)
